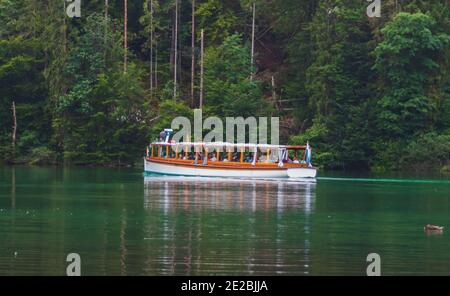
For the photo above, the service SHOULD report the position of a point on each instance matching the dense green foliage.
(366, 92)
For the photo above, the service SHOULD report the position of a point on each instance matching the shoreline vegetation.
(445, 169)
(369, 94)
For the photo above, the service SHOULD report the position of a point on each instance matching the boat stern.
(302, 172)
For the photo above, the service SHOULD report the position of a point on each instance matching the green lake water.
(122, 223)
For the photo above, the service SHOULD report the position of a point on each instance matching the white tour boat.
(229, 160)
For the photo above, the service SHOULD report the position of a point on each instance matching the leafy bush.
(5, 152)
(42, 155)
(322, 155)
(387, 155)
(426, 152)
(26, 141)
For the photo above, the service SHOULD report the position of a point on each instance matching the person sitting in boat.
(248, 158)
(273, 159)
(296, 161)
(213, 158)
(225, 160)
(235, 157)
(262, 158)
(162, 136)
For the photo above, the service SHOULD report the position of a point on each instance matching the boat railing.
(227, 144)
(269, 155)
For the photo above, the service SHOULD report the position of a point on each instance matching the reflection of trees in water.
(227, 226)
(172, 194)
(162, 226)
(123, 248)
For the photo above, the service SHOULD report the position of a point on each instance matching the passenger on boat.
(213, 158)
(162, 136)
(296, 160)
(225, 160)
(235, 157)
(248, 158)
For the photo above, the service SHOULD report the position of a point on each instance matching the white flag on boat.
(308, 154)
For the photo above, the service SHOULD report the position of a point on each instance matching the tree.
(218, 19)
(228, 88)
(337, 82)
(21, 80)
(103, 101)
(405, 60)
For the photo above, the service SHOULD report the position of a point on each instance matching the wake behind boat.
(221, 159)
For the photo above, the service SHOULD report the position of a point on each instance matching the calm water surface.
(122, 223)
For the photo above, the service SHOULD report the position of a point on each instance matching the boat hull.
(301, 172)
(205, 171)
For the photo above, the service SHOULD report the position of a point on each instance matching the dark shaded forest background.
(368, 93)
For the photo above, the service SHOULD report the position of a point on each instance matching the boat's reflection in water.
(229, 226)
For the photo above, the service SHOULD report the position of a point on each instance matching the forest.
(368, 93)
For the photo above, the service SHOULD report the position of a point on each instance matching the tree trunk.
(253, 42)
(193, 55)
(106, 29)
(13, 187)
(202, 58)
(125, 41)
(175, 63)
(151, 49)
(156, 63)
(64, 28)
(14, 131)
(274, 94)
(106, 9)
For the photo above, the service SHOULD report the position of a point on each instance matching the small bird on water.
(430, 227)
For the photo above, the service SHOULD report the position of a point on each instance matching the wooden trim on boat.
(224, 165)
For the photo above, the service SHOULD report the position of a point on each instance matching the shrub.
(429, 151)
(42, 155)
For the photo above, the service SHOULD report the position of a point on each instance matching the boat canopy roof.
(230, 145)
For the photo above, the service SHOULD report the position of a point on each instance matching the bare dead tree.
(274, 94)
(125, 41)
(193, 55)
(253, 42)
(64, 28)
(202, 66)
(175, 62)
(151, 48)
(156, 63)
(106, 28)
